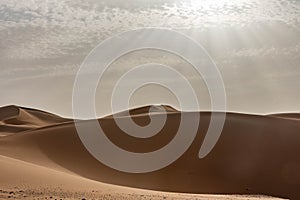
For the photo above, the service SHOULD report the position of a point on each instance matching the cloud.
(58, 28)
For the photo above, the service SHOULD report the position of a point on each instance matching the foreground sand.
(28, 181)
(41, 157)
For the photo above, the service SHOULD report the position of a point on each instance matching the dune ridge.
(254, 155)
(295, 116)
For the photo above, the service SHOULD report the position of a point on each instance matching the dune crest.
(295, 116)
(145, 110)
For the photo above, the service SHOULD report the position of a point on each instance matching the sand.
(256, 157)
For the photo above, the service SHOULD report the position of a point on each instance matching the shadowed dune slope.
(254, 155)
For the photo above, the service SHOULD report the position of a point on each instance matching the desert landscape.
(42, 157)
(149, 99)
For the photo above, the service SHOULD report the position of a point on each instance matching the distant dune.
(14, 119)
(255, 155)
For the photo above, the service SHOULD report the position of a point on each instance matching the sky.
(254, 43)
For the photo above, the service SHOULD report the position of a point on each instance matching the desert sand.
(42, 157)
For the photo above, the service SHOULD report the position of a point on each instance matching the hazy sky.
(255, 43)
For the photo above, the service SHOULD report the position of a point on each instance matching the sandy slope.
(23, 180)
(14, 119)
(255, 155)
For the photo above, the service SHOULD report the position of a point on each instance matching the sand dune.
(155, 109)
(15, 119)
(254, 155)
